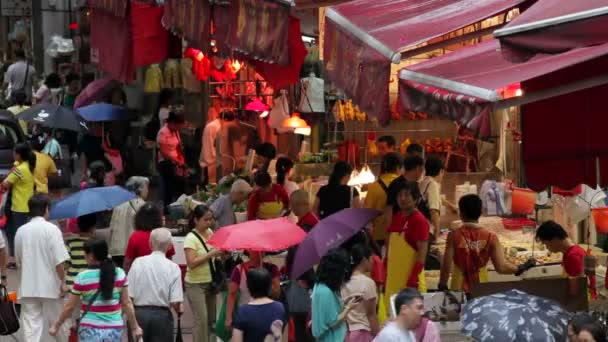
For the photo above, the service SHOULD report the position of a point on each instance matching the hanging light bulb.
(354, 178)
(294, 122)
(366, 176)
(264, 114)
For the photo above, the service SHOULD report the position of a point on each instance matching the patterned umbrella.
(514, 316)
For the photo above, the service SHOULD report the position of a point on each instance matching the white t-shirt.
(359, 285)
(392, 333)
(15, 77)
(39, 248)
(431, 191)
(155, 280)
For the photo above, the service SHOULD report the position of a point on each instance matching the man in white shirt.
(409, 306)
(155, 286)
(20, 76)
(40, 254)
(430, 188)
(208, 158)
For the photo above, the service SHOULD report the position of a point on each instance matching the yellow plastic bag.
(381, 309)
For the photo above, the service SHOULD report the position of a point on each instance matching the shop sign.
(16, 8)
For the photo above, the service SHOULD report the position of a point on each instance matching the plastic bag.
(220, 326)
(60, 46)
(279, 112)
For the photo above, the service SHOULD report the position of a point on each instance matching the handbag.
(218, 276)
(9, 317)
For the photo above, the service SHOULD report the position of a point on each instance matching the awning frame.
(453, 86)
(564, 19)
(340, 20)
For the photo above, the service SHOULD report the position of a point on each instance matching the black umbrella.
(514, 316)
(54, 116)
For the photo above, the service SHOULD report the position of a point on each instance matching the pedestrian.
(20, 182)
(328, 310)
(470, 247)
(71, 91)
(593, 332)
(172, 164)
(285, 171)
(222, 207)
(40, 254)
(18, 106)
(268, 201)
(300, 206)
(430, 188)
(362, 320)
(377, 195)
(208, 157)
(262, 319)
(75, 245)
(413, 171)
(155, 286)
(165, 99)
(408, 243)
(51, 145)
(386, 144)
(90, 148)
(265, 154)
(97, 176)
(199, 256)
(45, 167)
(336, 195)
(147, 218)
(409, 307)
(20, 76)
(238, 283)
(578, 321)
(49, 91)
(122, 223)
(102, 290)
(556, 239)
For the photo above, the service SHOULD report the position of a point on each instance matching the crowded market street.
(303, 170)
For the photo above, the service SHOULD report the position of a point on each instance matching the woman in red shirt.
(408, 243)
(268, 201)
(147, 218)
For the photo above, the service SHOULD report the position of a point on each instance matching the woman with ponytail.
(362, 320)
(20, 182)
(102, 292)
(284, 171)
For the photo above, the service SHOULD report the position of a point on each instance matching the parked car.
(10, 135)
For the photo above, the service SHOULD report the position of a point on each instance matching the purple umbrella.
(95, 91)
(329, 233)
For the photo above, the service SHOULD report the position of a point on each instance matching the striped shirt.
(104, 314)
(77, 262)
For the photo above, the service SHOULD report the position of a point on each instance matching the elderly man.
(155, 286)
(122, 223)
(40, 254)
(222, 207)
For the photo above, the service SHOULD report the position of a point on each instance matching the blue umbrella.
(89, 201)
(103, 112)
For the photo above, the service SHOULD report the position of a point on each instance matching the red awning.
(300, 4)
(554, 26)
(363, 37)
(478, 72)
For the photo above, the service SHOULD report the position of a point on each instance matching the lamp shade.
(257, 106)
(294, 122)
(303, 131)
(366, 176)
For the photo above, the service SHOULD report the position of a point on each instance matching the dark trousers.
(173, 185)
(300, 319)
(156, 322)
(15, 220)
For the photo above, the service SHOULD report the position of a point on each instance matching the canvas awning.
(554, 26)
(467, 83)
(363, 37)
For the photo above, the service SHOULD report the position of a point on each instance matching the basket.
(523, 201)
(600, 217)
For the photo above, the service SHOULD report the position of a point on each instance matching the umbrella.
(54, 116)
(103, 112)
(95, 91)
(89, 201)
(514, 316)
(258, 235)
(329, 233)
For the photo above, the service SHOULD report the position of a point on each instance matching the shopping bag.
(381, 308)
(9, 317)
(220, 325)
(178, 334)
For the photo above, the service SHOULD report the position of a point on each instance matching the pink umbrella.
(259, 235)
(95, 91)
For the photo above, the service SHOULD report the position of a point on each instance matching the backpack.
(423, 204)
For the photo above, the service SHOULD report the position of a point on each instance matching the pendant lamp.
(295, 122)
(354, 178)
(366, 176)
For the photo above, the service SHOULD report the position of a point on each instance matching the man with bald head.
(155, 286)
